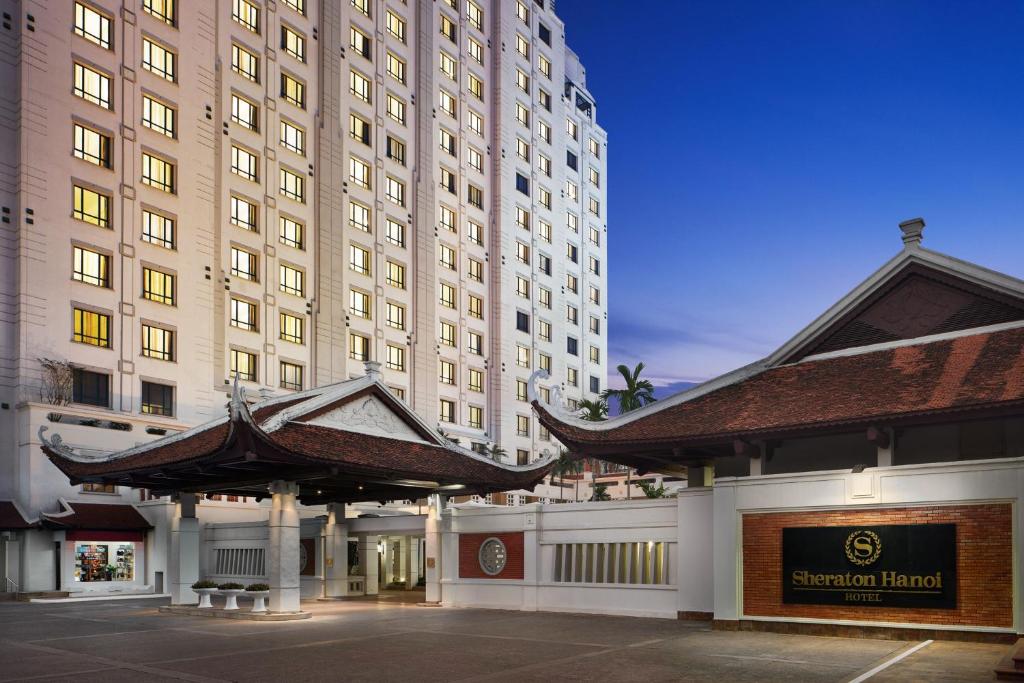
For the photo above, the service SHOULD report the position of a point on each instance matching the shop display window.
(106, 561)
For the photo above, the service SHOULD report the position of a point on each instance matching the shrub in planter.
(257, 587)
(205, 583)
(231, 591)
(231, 586)
(259, 593)
(204, 588)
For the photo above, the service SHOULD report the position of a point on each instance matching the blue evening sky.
(762, 153)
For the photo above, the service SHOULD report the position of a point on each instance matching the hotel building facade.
(281, 191)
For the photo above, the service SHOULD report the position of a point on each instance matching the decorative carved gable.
(367, 415)
(916, 302)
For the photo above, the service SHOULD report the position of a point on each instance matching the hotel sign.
(901, 565)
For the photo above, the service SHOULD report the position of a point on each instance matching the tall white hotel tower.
(285, 189)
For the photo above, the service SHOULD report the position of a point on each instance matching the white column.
(531, 561)
(412, 562)
(336, 560)
(183, 563)
(283, 561)
(368, 557)
(433, 563)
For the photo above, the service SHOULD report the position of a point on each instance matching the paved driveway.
(392, 639)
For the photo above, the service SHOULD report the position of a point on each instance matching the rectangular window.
(446, 411)
(522, 425)
(523, 81)
(293, 90)
(244, 164)
(359, 304)
(90, 388)
(544, 164)
(476, 122)
(447, 142)
(395, 26)
(544, 363)
(594, 207)
(92, 86)
(244, 112)
(476, 380)
(395, 67)
(358, 347)
(544, 230)
(447, 297)
(475, 232)
(544, 65)
(359, 259)
(247, 14)
(523, 321)
(395, 232)
(544, 330)
(523, 12)
(293, 43)
(395, 316)
(476, 307)
(448, 65)
(395, 358)
(475, 196)
(522, 356)
(394, 191)
(245, 63)
(244, 315)
(476, 417)
(475, 14)
(158, 286)
(595, 354)
(159, 116)
(522, 287)
(293, 185)
(446, 373)
(157, 399)
(595, 148)
(90, 206)
(396, 150)
(359, 42)
(164, 10)
(157, 229)
(293, 138)
(448, 104)
(448, 29)
(476, 270)
(476, 87)
(157, 343)
(157, 173)
(291, 280)
(91, 145)
(522, 218)
(544, 131)
(396, 109)
(291, 376)
(447, 257)
(92, 25)
(243, 365)
(522, 45)
(293, 328)
(448, 334)
(291, 233)
(359, 173)
(523, 184)
(476, 159)
(159, 60)
(544, 297)
(243, 213)
(297, 5)
(363, 6)
(359, 216)
(90, 267)
(448, 181)
(475, 343)
(523, 253)
(476, 51)
(243, 264)
(572, 377)
(545, 98)
(359, 129)
(522, 149)
(395, 275)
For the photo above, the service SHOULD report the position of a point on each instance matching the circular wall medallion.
(303, 558)
(863, 547)
(492, 556)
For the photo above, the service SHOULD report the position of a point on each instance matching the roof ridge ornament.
(372, 369)
(237, 399)
(557, 407)
(913, 232)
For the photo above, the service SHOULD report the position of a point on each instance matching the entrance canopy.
(346, 442)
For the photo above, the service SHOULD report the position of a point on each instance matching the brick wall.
(469, 562)
(984, 564)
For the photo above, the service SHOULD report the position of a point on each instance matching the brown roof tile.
(11, 519)
(98, 516)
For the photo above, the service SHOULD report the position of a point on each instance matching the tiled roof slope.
(969, 372)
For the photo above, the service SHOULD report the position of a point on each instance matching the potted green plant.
(205, 589)
(259, 592)
(230, 591)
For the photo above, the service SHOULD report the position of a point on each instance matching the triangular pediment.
(367, 414)
(915, 300)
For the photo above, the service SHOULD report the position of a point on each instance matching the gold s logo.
(863, 547)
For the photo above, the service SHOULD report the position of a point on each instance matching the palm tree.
(593, 411)
(600, 492)
(497, 452)
(564, 465)
(638, 392)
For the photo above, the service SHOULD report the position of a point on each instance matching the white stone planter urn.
(259, 600)
(230, 597)
(204, 596)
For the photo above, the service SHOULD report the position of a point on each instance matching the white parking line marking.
(886, 664)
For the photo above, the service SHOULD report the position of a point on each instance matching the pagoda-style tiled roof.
(347, 442)
(11, 517)
(96, 516)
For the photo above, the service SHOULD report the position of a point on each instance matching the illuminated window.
(446, 410)
(522, 218)
(243, 213)
(358, 347)
(245, 63)
(395, 316)
(157, 173)
(158, 286)
(394, 190)
(522, 45)
(476, 87)
(363, 6)
(359, 216)
(91, 145)
(164, 10)
(244, 315)
(448, 180)
(293, 138)
(544, 230)
(396, 109)
(595, 148)
(476, 159)
(475, 232)
(359, 173)
(293, 185)
(446, 373)
(475, 14)
(448, 65)
(595, 354)
(293, 43)
(359, 259)
(544, 97)
(476, 380)
(572, 190)
(523, 11)
(476, 270)
(476, 122)
(475, 343)
(395, 232)
(544, 297)
(522, 425)
(92, 25)
(291, 376)
(90, 267)
(157, 342)
(476, 51)
(291, 280)
(91, 206)
(359, 42)
(523, 253)
(297, 5)
(447, 142)
(447, 257)
(572, 377)
(544, 330)
(247, 14)
(476, 307)
(157, 229)
(359, 304)
(244, 164)
(395, 275)
(293, 90)
(448, 29)
(572, 316)
(293, 328)
(243, 264)
(544, 65)
(572, 221)
(243, 365)
(396, 150)
(594, 206)
(395, 358)
(447, 297)
(595, 325)
(159, 116)
(92, 86)
(595, 177)
(395, 26)
(476, 417)
(448, 104)
(522, 80)
(544, 363)
(448, 334)
(544, 131)
(291, 232)
(359, 129)
(245, 113)
(522, 287)
(475, 196)
(395, 67)
(522, 114)
(522, 356)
